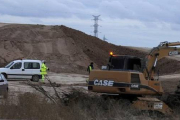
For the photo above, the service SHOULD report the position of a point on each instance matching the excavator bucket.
(152, 104)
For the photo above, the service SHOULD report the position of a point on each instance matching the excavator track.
(152, 104)
(143, 103)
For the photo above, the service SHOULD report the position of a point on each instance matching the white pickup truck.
(22, 69)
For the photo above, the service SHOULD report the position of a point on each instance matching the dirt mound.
(64, 49)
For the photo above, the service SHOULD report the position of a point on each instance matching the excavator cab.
(124, 63)
(123, 75)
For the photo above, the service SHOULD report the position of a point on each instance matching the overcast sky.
(143, 23)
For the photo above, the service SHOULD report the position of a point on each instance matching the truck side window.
(31, 65)
(35, 65)
(27, 65)
(17, 65)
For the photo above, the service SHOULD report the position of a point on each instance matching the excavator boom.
(162, 50)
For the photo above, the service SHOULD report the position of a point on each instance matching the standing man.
(90, 67)
(44, 69)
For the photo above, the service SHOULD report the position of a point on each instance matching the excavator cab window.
(124, 63)
(116, 62)
(133, 64)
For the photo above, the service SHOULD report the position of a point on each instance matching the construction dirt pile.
(64, 49)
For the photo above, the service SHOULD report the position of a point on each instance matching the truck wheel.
(35, 78)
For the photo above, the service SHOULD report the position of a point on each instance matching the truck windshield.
(8, 65)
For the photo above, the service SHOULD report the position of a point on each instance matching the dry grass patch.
(76, 105)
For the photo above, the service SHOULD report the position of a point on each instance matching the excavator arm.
(162, 50)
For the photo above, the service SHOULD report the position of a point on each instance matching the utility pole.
(96, 18)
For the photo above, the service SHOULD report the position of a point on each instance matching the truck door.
(27, 71)
(36, 68)
(15, 72)
(30, 69)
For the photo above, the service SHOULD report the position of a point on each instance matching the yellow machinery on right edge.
(129, 75)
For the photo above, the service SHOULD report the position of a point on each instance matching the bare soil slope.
(64, 49)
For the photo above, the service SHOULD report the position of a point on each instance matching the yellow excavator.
(133, 76)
